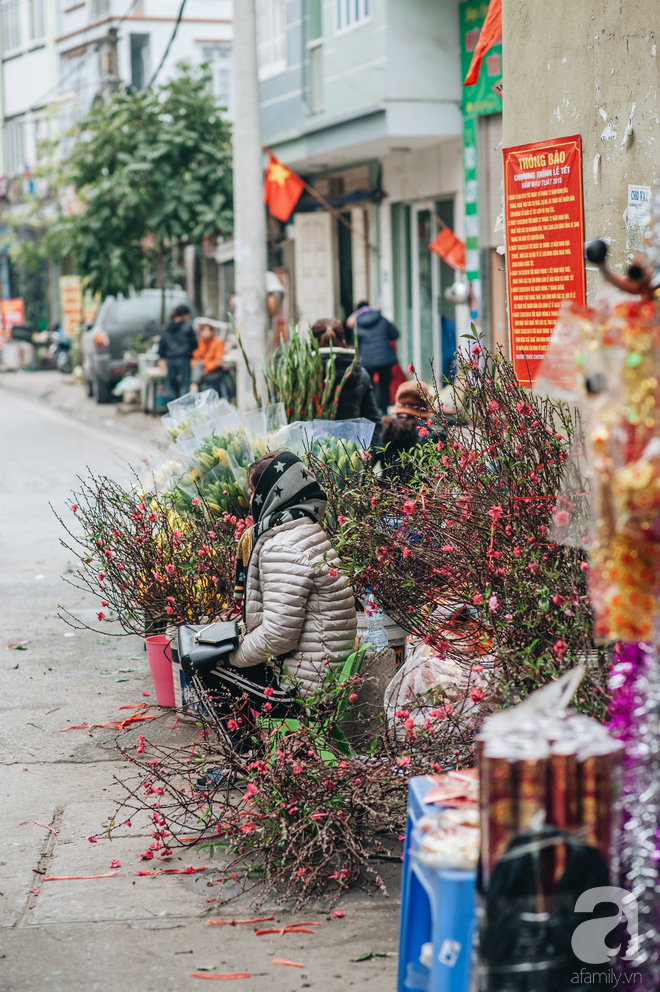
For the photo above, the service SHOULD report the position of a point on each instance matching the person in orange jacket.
(207, 358)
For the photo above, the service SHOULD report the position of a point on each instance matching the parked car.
(120, 320)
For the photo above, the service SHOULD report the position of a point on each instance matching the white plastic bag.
(428, 688)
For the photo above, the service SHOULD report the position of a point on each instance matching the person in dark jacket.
(357, 398)
(412, 423)
(177, 344)
(375, 335)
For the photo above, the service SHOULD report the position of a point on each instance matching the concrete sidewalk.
(125, 931)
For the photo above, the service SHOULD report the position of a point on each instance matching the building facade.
(59, 55)
(363, 99)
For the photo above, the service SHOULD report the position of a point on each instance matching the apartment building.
(59, 55)
(363, 99)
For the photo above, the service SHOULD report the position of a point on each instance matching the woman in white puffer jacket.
(299, 609)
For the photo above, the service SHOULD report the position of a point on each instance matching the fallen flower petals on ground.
(291, 964)
(116, 724)
(290, 928)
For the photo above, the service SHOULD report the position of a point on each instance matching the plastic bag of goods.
(435, 690)
(448, 840)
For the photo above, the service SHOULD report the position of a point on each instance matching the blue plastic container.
(438, 908)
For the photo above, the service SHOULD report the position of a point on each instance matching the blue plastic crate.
(438, 908)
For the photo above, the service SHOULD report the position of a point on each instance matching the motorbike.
(59, 351)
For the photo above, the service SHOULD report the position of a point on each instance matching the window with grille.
(219, 59)
(15, 147)
(99, 8)
(10, 25)
(37, 19)
(271, 37)
(348, 13)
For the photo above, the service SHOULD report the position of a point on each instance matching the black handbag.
(202, 648)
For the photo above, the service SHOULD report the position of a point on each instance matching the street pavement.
(56, 789)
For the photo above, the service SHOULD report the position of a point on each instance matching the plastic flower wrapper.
(229, 438)
(339, 444)
(181, 408)
(166, 475)
(194, 408)
(216, 457)
(223, 489)
(607, 362)
(260, 426)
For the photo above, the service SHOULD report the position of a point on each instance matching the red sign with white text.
(544, 243)
(12, 314)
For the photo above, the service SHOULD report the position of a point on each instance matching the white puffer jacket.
(295, 607)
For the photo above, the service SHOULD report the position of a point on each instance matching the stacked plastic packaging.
(548, 789)
(213, 445)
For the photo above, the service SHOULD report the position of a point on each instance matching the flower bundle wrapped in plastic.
(338, 444)
(216, 469)
(607, 360)
(213, 454)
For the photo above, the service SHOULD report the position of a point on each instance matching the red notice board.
(543, 210)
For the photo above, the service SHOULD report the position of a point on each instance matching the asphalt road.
(56, 789)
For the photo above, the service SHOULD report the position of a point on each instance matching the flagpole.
(340, 217)
(329, 207)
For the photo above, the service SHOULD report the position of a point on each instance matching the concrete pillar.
(249, 213)
(593, 70)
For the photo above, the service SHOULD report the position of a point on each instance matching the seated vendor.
(298, 607)
(207, 358)
(413, 423)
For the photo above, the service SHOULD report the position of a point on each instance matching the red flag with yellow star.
(282, 189)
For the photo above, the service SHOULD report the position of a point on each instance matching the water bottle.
(376, 635)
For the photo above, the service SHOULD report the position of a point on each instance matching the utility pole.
(250, 258)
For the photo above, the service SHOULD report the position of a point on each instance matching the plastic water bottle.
(376, 635)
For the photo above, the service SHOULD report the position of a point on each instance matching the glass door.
(433, 317)
(426, 322)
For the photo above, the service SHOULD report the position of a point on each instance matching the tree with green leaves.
(152, 172)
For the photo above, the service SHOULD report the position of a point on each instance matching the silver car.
(105, 347)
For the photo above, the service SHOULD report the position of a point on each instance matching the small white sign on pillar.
(636, 216)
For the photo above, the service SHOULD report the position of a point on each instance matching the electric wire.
(169, 44)
(39, 104)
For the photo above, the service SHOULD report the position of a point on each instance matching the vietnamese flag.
(450, 248)
(491, 33)
(282, 189)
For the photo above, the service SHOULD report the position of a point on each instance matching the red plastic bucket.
(160, 663)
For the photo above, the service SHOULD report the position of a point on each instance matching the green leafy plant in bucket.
(297, 376)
